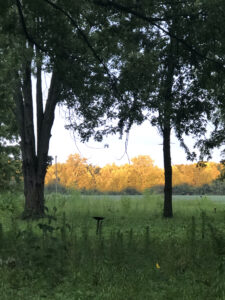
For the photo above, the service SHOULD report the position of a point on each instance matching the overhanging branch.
(112, 78)
(154, 21)
(82, 34)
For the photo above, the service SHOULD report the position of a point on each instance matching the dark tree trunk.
(34, 193)
(35, 158)
(168, 209)
(166, 129)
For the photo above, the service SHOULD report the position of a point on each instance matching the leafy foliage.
(128, 62)
(132, 178)
(10, 160)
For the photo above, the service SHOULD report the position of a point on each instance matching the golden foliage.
(77, 173)
(195, 175)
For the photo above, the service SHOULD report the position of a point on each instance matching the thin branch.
(126, 148)
(24, 26)
(138, 14)
(113, 80)
(39, 96)
(19, 111)
(82, 34)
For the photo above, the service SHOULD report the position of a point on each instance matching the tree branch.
(24, 26)
(48, 119)
(18, 98)
(82, 34)
(135, 12)
(28, 109)
(39, 97)
(111, 3)
(113, 80)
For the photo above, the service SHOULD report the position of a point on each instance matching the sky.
(143, 140)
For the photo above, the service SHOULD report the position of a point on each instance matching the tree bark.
(166, 129)
(35, 159)
(168, 209)
(34, 193)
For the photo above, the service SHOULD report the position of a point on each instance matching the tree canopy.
(42, 38)
(156, 74)
(127, 61)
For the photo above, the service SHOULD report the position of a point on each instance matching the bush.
(51, 188)
(184, 189)
(156, 189)
(130, 191)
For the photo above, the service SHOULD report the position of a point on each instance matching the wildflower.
(157, 266)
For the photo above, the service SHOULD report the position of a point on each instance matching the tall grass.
(137, 255)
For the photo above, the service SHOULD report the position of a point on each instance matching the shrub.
(51, 188)
(130, 191)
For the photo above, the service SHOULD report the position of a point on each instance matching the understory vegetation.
(136, 254)
(217, 187)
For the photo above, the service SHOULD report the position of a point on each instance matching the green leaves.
(10, 163)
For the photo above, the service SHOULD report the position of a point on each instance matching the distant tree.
(194, 174)
(78, 174)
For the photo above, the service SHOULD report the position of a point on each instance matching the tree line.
(141, 175)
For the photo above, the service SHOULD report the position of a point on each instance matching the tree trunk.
(166, 129)
(33, 192)
(35, 158)
(168, 209)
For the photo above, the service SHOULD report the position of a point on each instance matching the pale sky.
(143, 140)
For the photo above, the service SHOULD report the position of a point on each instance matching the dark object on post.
(99, 223)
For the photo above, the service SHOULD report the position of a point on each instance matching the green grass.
(61, 257)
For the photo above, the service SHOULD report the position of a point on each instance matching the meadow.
(136, 254)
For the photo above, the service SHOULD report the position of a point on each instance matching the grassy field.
(136, 255)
